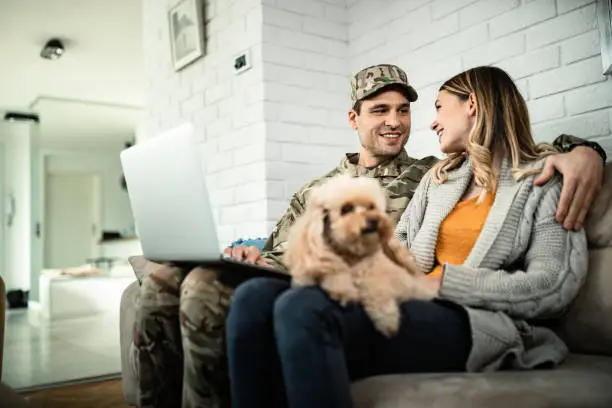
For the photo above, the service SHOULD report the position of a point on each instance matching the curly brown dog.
(345, 243)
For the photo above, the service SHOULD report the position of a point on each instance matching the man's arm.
(274, 247)
(566, 143)
(272, 251)
(581, 163)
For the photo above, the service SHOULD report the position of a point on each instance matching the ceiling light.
(53, 49)
(21, 117)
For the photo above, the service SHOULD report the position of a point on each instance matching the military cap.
(376, 77)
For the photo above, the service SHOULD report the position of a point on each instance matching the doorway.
(72, 217)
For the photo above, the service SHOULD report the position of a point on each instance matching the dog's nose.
(371, 226)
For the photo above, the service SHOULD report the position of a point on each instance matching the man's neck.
(368, 160)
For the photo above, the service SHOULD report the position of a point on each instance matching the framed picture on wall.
(604, 20)
(186, 32)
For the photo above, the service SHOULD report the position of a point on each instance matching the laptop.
(169, 198)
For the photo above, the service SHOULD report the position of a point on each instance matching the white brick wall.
(306, 93)
(271, 129)
(550, 47)
(226, 109)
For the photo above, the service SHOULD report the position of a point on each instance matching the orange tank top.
(459, 231)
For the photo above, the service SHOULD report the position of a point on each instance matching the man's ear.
(352, 118)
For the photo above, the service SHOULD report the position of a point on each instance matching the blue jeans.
(295, 347)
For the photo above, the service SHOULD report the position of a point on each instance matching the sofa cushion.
(582, 381)
(598, 224)
(587, 326)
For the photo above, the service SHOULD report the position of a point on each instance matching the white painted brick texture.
(306, 93)
(550, 47)
(226, 109)
(269, 130)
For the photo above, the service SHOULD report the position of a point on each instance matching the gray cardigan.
(524, 266)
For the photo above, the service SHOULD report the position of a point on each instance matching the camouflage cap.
(372, 79)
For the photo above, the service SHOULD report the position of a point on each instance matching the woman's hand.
(433, 283)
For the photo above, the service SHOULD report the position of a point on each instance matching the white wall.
(551, 48)
(116, 212)
(226, 109)
(272, 128)
(306, 93)
(17, 170)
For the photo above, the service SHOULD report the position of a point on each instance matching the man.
(380, 114)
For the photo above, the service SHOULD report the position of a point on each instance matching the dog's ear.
(305, 242)
(307, 254)
(386, 229)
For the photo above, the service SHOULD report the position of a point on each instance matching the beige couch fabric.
(587, 326)
(598, 225)
(583, 381)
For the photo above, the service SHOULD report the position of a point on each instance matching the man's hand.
(250, 254)
(582, 171)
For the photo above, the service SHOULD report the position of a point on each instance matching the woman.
(482, 231)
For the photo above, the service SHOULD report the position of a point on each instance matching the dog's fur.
(345, 243)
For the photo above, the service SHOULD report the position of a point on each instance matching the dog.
(344, 242)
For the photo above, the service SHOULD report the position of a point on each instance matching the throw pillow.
(143, 267)
(598, 224)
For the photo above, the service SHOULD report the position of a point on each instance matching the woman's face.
(454, 120)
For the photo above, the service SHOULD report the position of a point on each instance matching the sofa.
(2, 321)
(8, 397)
(584, 380)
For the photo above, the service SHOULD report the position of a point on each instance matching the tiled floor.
(38, 353)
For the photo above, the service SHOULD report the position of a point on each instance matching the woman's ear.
(472, 104)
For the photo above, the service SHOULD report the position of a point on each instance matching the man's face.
(383, 124)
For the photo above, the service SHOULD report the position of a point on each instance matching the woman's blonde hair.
(502, 126)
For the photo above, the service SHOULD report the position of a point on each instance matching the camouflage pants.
(180, 340)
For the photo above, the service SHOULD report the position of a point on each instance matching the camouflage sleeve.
(274, 247)
(565, 143)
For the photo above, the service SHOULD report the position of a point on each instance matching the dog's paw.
(385, 316)
(388, 327)
(303, 281)
(341, 288)
(346, 296)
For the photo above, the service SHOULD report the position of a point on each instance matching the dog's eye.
(371, 206)
(347, 208)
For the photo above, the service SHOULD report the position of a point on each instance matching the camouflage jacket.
(399, 177)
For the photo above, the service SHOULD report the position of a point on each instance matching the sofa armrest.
(127, 318)
(11, 399)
